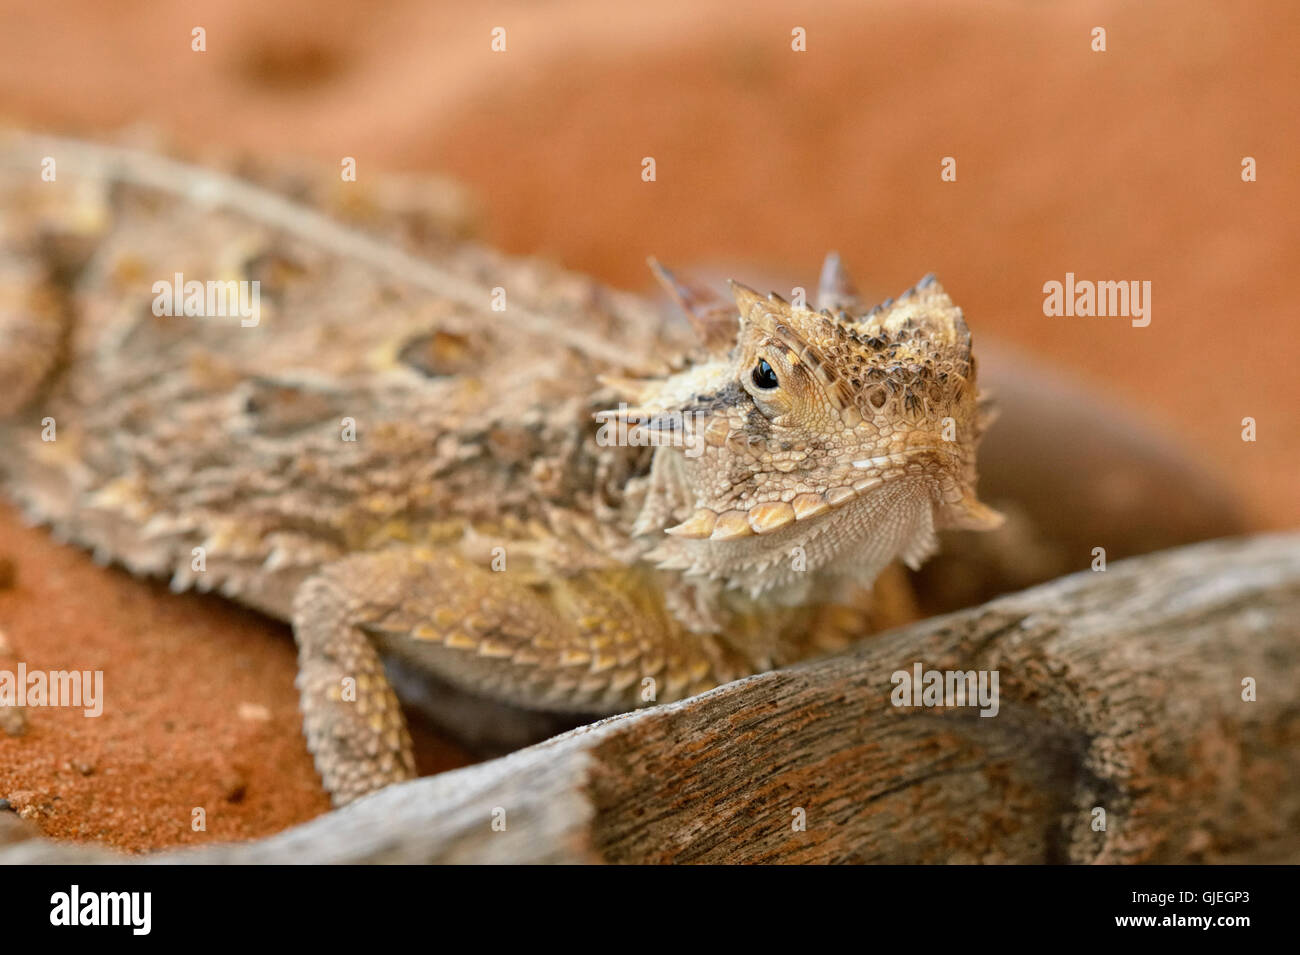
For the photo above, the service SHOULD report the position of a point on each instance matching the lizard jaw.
(961, 507)
(863, 533)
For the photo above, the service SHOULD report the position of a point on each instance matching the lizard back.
(376, 396)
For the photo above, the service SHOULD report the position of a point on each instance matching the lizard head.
(834, 440)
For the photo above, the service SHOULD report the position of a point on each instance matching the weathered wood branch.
(1120, 691)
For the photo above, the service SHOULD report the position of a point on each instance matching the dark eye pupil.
(764, 376)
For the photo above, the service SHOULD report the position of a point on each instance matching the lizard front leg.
(595, 641)
(351, 717)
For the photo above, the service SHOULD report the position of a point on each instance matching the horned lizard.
(542, 491)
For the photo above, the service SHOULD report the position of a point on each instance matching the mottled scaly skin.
(397, 468)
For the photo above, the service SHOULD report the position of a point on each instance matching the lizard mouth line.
(900, 457)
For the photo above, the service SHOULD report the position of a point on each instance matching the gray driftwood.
(1120, 690)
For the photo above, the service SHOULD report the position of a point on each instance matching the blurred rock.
(1072, 471)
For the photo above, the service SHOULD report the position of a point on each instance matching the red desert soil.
(1123, 164)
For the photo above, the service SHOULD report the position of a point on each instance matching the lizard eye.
(763, 375)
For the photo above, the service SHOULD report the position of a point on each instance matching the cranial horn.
(713, 319)
(835, 290)
(746, 299)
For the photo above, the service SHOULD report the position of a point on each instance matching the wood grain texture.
(1120, 690)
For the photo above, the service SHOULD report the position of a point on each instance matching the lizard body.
(396, 468)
